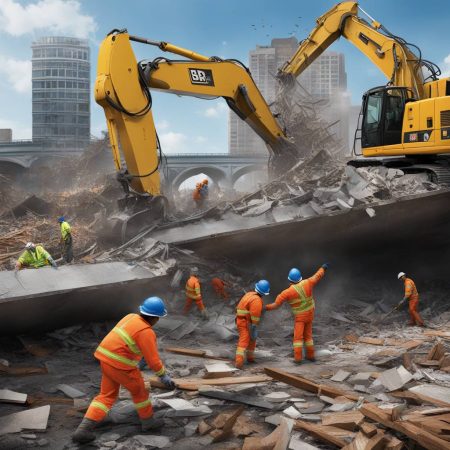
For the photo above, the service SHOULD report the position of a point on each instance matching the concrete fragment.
(70, 391)
(190, 428)
(342, 204)
(360, 388)
(340, 375)
(28, 436)
(395, 378)
(370, 212)
(361, 378)
(326, 399)
(33, 419)
(340, 317)
(220, 369)
(277, 397)
(310, 417)
(151, 441)
(183, 408)
(433, 391)
(274, 419)
(239, 398)
(340, 407)
(291, 412)
(7, 396)
(310, 408)
(297, 443)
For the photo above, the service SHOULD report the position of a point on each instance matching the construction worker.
(34, 256)
(300, 297)
(219, 288)
(412, 295)
(204, 189)
(197, 195)
(119, 354)
(248, 315)
(66, 239)
(193, 293)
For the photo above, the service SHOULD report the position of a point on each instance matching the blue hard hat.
(294, 275)
(262, 287)
(153, 306)
(61, 219)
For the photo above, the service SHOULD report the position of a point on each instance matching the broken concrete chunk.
(218, 370)
(297, 443)
(151, 441)
(340, 375)
(395, 378)
(433, 391)
(183, 408)
(361, 378)
(33, 419)
(70, 391)
(370, 212)
(292, 412)
(7, 396)
(231, 396)
(277, 397)
(340, 407)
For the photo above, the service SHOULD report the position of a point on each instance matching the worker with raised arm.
(119, 354)
(197, 195)
(248, 316)
(193, 293)
(66, 239)
(219, 288)
(412, 295)
(34, 256)
(299, 295)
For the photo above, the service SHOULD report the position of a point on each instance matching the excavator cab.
(382, 110)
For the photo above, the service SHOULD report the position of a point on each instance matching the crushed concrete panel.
(45, 299)
(33, 419)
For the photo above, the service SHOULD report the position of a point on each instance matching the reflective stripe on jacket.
(127, 342)
(65, 230)
(193, 288)
(38, 258)
(250, 307)
(411, 290)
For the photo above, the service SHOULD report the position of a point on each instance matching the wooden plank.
(369, 429)
(394, 444)
(377, 442)
(321, 432)
(437, 352)
(193, 384)
(348, 420)
(418, 398)
(194, 353)
(423, 437)
(444, 334)
(228, 426)
(370, 341)
(307, 385)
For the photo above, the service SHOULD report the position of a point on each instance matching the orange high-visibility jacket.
(299, 296)
(193, 288)
(196, 195)
(250, 307)
(411, 290)
(130, 340)
(218, 284)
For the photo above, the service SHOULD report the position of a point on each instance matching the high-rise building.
(325, 79)
(61, 91)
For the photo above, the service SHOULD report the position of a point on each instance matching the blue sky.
(222, 28)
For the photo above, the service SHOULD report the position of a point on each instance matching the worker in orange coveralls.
(412, 295)
(119, 354)
(197, 195)
(193, 293)
(248, 315)
(300, 297)
(219, 288)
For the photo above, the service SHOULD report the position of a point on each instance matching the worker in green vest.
(66, 239)
(34, 256)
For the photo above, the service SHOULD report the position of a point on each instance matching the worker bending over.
(219, 288)
(119, 354)
(300, 297)
(193, 293)
(34, 256)
(197, 195)
(66, 239)
(412, 295)
(248, 315)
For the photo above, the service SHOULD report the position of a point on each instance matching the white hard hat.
(194, 270)
(401, 274)
(29, 245)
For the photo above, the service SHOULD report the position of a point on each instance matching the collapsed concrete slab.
(45, 299)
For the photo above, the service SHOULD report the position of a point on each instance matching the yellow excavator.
(409, 117)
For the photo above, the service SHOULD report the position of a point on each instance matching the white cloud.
(19, 130)
(445, 67)
(172, 142)
(54, 16)
(200, 139)
(162, 125)
(17, 73)
(217, 110)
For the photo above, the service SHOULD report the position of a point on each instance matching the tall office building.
(325, 79)
(61, 91)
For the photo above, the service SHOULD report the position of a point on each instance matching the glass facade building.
(61, 91)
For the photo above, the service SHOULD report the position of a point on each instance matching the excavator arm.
(122, 89)
(389, 53)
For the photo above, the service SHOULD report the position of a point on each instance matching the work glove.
(253, 332)
(53, 263)
(167, 381)
(142, 364)
(325, 266)
(401, 303)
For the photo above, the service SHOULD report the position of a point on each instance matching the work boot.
(84, 433)
(311, 359)
(204, 313)
(298, 361)
(151, 424)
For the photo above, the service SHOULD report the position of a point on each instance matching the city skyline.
(188, 124)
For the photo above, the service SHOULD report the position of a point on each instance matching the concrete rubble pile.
(375, 383)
